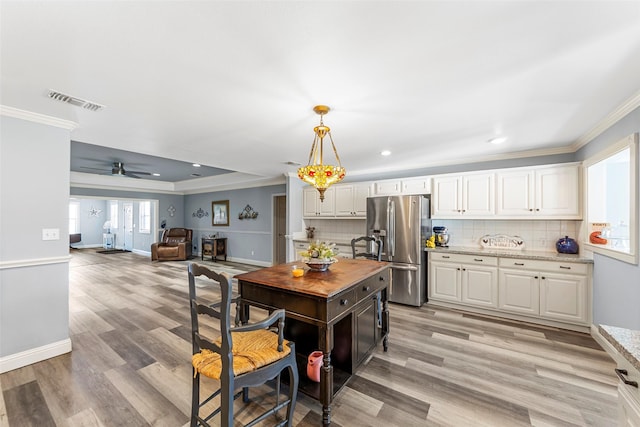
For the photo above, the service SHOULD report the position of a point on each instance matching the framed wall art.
(220, 210)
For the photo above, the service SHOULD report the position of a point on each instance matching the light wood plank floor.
(130, 364)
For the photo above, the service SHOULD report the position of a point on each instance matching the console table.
(214, 247)
(335, 311)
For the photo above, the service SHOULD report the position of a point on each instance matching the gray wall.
(34, 274)
(616, 284)
(248, 240)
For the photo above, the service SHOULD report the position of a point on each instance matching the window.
(611, 220)
(74, 217)
(113, 213)
(144, 217)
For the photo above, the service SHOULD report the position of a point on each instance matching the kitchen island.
(342, 312)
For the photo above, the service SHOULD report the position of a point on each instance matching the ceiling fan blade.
(139, 173)
(95, 169)
(131, 175)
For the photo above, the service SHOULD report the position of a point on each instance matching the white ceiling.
(232, 84)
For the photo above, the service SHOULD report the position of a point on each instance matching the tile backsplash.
(538, 235)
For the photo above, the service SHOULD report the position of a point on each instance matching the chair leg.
(293, 393)
(195, 400)
(278, 382)
(245, 394)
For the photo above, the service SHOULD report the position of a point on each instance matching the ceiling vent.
(78, 102)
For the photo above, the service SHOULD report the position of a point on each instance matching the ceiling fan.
(117, 169)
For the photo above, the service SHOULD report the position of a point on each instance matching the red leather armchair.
(175, 245)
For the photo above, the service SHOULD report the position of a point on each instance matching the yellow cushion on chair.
(251, 350)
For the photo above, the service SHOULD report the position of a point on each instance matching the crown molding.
(611, 119)
(17, 113)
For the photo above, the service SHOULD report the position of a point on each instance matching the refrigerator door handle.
(404, 267)
(391, 226)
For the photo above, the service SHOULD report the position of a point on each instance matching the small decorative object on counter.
(297, 271)
(431, 242)
(310, 231)
(596, 238)
(567, 245)
(314, 363)
(320, 255)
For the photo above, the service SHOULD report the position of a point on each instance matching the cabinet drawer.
(341, 304)
(549, 266)
(464, 259)
(371, 286)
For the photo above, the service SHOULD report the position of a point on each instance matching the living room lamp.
(316, 173)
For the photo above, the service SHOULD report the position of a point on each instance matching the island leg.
(385, 319)
(326, 374)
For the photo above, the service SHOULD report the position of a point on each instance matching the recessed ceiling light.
(195, 165)
(385, 153)
(155, 174)
(497, 140)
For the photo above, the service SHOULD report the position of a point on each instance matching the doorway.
(127, 226)
(279, 229)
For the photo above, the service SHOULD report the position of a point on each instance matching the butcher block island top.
(342, 312)
(340, 276)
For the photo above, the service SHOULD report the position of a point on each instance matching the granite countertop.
(626, 341)
(342, 242)
(506, 253)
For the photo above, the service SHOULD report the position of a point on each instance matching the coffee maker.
(442, 236)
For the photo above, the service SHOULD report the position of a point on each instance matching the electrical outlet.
(50, 234)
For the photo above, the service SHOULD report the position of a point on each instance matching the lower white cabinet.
(548, 289)
(628, 393)
(543, 291)
(465, 279)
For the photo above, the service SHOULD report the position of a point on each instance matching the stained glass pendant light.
(316, 173)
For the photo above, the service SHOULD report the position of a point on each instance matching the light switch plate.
(50, 234)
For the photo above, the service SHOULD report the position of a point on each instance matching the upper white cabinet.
(312, 207)
(466, 195)
(351, 200)
(391, 187)
(547, 192)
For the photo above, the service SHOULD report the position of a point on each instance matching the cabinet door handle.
(535, 277)
(458, 268)
(530, 210)
(542, 277)
(479, 260)
(446, 256)
(621, 374)
(366, 288)
(518, 263)
(464, 269)
(566, 268)
(344, 301)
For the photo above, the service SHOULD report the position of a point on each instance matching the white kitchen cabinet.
(466, 195)
(387, 187)
(444, 281)
(546, 192)
(546, 289)
(480, 284)
(312, 207)
(519, 291)
(351, 200)
(419, 185)
(465, 279)
(393, 187)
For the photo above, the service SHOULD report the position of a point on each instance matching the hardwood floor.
(130, 364)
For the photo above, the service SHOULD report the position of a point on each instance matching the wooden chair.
(375, 255)
(244, 356)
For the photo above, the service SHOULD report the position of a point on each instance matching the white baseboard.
(38, 354)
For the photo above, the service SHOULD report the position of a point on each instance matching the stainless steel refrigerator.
(402, 223)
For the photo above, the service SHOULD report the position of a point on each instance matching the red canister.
(314, 363)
